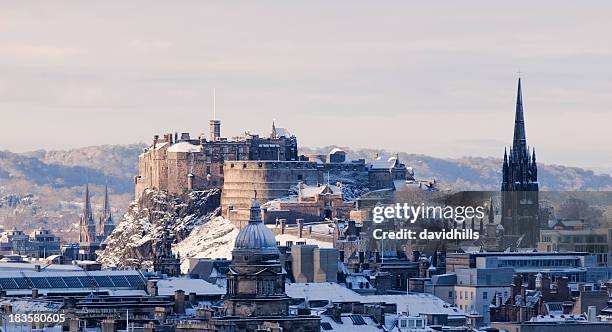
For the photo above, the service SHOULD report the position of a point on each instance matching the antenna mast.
(214, 104)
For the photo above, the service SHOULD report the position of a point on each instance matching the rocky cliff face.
(137, 237)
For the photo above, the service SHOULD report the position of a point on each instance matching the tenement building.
(519, 189)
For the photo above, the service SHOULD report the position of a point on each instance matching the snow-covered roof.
(348, 323)
(280, 132)
(284, 238)
(414, 303)
(322, 291)
(27, 306)
(382, 163)
(312, 191)
(185, 147)
(198, 286)
(335, 150)
(9, 266)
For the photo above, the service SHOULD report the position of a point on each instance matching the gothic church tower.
(519, 187)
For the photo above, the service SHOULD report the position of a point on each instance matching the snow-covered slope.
(137, 238)
(213, 239)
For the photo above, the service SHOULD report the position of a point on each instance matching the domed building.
(256, 279)
(255, 297)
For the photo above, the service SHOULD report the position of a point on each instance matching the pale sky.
(414, 77)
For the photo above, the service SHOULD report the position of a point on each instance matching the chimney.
(282, 224)
(190, 182)
(193, 299)
(155, 139)
(531, 281)
(179, 302)
(545, 287)
(592, 313)
(152, 288)
(185, 137)
(34, 293)
(563, 290)
(300, 223)
(37, 268)
(300, 189)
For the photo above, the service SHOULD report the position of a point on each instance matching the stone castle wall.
(270, 179)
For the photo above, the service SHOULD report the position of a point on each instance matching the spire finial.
(520, 140)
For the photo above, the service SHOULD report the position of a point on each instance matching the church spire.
(88, 225)
(274, 134)
(107, 209)
(87, 212)
(520, 139)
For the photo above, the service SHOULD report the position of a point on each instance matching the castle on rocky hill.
(244, 166)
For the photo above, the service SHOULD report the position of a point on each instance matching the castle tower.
(520, 187)
(87, 223)
(215, 130)
(255, 280)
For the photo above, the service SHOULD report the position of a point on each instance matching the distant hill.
(476, 173)
(45, 188)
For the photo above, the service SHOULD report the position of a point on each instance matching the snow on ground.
(213, 239)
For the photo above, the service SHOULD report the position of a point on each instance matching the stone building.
(255, 297)
(309, 263)
(312, 204)
(165, 261)
(106, 225)
(182, 163)
(563, 238)
(519, 189)
(41, 243)
(267, 179)
(87, 224)
(382, 173)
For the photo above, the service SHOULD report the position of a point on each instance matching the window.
(450, 294)
(403, 323)
(485, 295)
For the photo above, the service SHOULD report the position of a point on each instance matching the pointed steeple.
(520, 139)
(87, 212)
(107, 214)
(273, 135)
(87, 223)
(534, 167)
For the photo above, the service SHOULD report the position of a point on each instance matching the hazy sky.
(438, 80)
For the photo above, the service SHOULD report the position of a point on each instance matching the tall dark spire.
(87, 223)
(107, 208)
(87, 212)
(520, 198)
(519, 143)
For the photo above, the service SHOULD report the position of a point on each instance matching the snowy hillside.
(137, 238)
